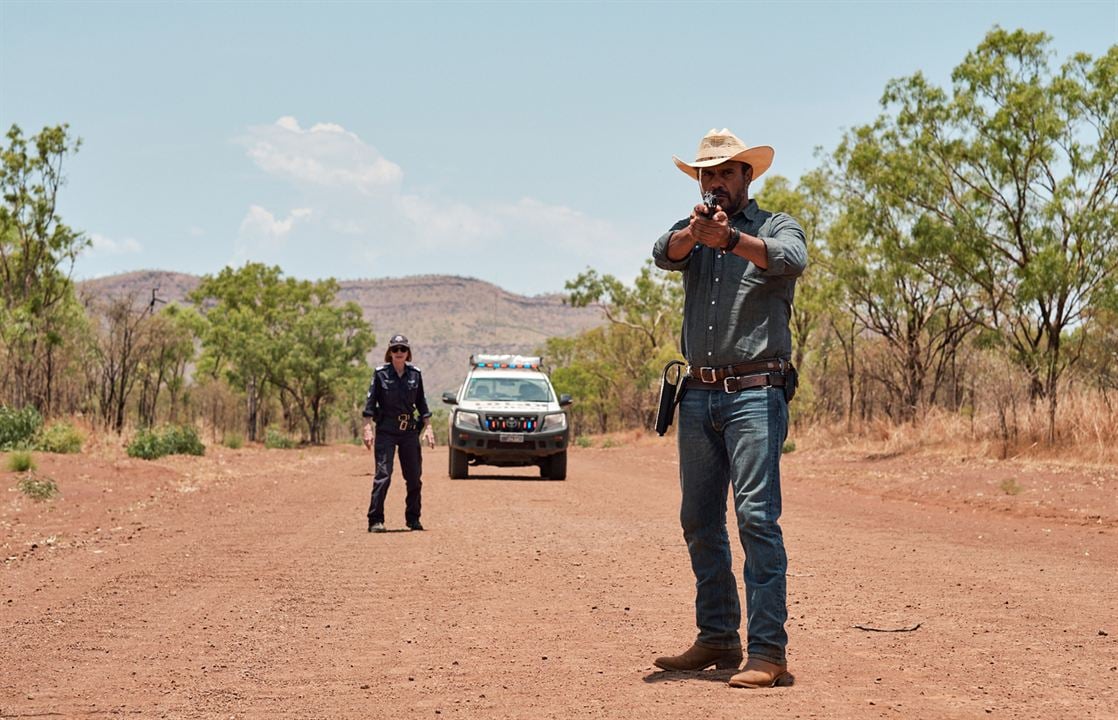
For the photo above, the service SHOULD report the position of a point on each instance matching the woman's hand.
(368, 438)
(429, 436)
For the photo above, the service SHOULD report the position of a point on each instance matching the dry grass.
(1086, 422)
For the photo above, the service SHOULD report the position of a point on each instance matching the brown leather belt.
(710, 376)
(740, 382)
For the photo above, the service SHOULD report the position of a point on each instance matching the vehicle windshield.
(509, 390)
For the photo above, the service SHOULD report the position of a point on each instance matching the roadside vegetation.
(962, 287)
(963, 278)
(37, 488)
(20, 461)
(152, 443)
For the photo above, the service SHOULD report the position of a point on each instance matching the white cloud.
(260, 223)
(577, 232)
(368, 226)
(432, 220)
(101, 245)
(326, 155)
(262, 236)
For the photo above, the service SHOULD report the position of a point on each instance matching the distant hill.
(445, 317)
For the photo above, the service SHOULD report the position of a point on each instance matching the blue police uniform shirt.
(391, 396)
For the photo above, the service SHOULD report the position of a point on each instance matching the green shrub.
(275, 440)
(789, 446)
(61, 437)
(21, 461)
(147, 445)
(18, 427)
(170, 440)
(182, 440)
(234, 441)
(583, 442)
(38, 489)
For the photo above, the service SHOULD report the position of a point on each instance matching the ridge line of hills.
(446, 317)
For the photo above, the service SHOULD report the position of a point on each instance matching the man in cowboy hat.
(739, 265)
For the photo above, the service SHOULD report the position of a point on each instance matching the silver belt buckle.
(726, 384)
(703, 375)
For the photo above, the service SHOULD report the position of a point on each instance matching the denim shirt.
(733, 311)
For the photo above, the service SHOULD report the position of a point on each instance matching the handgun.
(710, 202)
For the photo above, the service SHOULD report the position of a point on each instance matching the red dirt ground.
(243, 584)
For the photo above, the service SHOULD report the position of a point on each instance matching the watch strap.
(735, 238)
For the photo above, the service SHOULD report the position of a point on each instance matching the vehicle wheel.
(557, 466)
(458, 468)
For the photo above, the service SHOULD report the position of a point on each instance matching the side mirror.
(449, 399)
(565, 400)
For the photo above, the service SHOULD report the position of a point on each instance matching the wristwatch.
(735, 238)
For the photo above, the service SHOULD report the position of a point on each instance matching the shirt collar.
(750, 210)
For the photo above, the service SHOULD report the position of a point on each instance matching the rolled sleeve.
(660, 250)
(785, 247)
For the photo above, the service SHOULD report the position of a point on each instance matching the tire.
(556, 466)
(459, 469)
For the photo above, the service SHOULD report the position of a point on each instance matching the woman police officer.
(396, 404)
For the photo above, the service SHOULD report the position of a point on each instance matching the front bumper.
(488, 448)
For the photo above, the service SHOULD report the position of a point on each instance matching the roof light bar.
(509, 362)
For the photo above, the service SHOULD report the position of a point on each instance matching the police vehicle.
(507, 414)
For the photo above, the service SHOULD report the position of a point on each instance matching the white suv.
(507, 414)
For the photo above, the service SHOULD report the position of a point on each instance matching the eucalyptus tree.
(38, 308)
(322, 352)
(121, 350)
(642, 334)
(880, 251)
(266, 333)
(1017, 164)
(169, 349)
(240, 307)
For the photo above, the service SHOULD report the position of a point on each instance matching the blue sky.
(519, 143)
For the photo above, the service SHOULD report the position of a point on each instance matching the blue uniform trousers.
(385, 447)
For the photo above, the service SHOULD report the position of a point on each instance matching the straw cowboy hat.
(719, 146)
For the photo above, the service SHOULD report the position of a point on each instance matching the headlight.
(467, 420)
(554, 421)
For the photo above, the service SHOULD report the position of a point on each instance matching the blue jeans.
(734, 440)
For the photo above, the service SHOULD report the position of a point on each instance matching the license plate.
(512, 437)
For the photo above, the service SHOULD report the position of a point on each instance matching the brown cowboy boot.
(700, 657)
(759, 673)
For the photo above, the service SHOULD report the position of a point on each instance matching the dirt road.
(243, 584)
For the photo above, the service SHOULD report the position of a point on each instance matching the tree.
(626, 357)
(265, 332)
(880, 251)
(37, 253)
(169, 348)
(652, 307)
(323, 351)
(812, 204)
(240, 307)
(1020, 166)
(121, 349)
